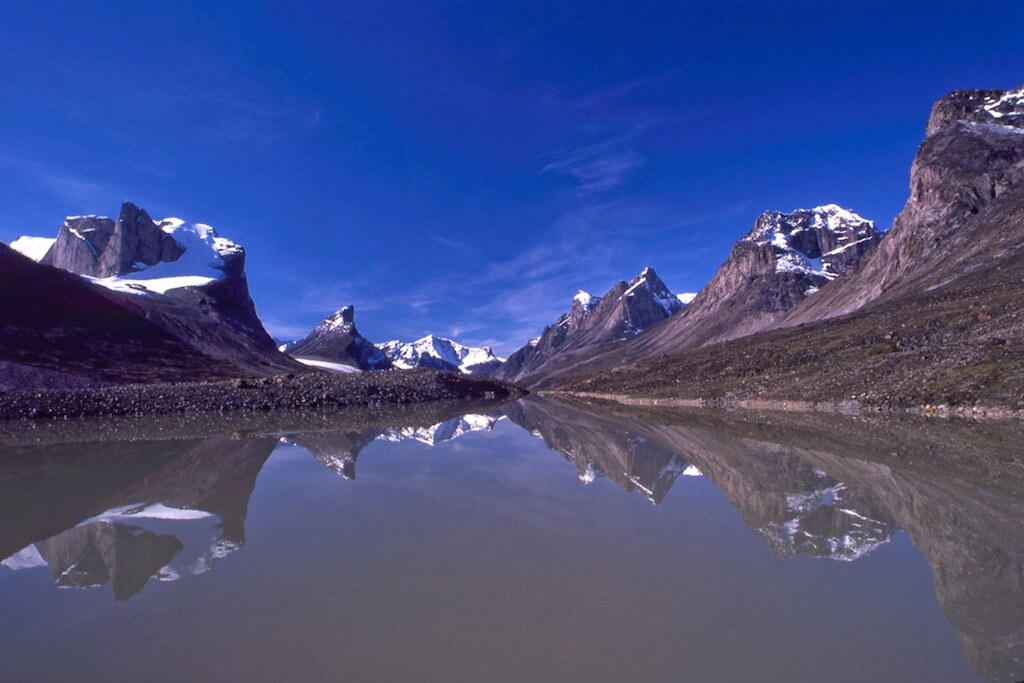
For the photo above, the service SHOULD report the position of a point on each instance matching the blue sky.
(463, 168)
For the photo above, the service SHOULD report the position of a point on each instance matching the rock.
(336, 340)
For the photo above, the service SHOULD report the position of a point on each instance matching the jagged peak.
(344, 316)
(585, 299)
(812, 241)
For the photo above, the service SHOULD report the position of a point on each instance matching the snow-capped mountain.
(592, 323)
(441, 354)
(821, 243)
(130, 300)
(962, 210)
(136, 254)
(335, 344)
(784, 259)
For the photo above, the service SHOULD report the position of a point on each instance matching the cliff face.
(99, 247)
(968, 170)
(131, 301)
(930, 315)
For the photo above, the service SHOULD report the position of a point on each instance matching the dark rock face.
(626, 310)
(99, 247)
(336, 340)
(80, 243)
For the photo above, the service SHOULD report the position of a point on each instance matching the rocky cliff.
(966, 173)
(785, 259)
(932, 315)
(100, 247)
(131, 300)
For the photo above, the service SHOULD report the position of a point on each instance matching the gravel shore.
(313, 390)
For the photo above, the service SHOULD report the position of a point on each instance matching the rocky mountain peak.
(999, 107)
(625, 310)
(137, 241)
(824, 241)
(335, 341)
(970, 163)
(343, 317)
(652, 286)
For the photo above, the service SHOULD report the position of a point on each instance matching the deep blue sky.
(463, 168)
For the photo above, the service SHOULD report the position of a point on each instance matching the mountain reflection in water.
(125, 512)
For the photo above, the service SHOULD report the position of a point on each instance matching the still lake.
(536, 541)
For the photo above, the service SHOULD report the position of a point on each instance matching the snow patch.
(33, 247)
(26, 558)
(201, 263)
(326, 365)
(686, 298)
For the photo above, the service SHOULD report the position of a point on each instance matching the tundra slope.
(933, 315)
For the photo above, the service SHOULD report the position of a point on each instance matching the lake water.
(537, 541)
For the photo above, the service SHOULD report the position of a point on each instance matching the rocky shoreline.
(847, 407)
(306, 391)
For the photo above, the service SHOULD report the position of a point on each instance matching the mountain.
(626, 310)
(933, 315)
(784, 259)
(189, 318)
(335, 344)
(965, 192)
(441, 354)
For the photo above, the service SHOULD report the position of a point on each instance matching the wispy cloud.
(597, 167)
(66, 187)
(460, 246)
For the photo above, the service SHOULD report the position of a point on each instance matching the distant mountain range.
(624, 311)
(442, 354)
(336, 344)
(813, 304)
